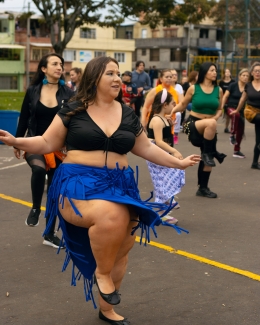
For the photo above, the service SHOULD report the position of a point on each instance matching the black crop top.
(167, 133)
(84, 134)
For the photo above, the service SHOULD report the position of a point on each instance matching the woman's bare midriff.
(202, 116)
(96, 158)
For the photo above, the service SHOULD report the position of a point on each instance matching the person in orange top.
(165, 82)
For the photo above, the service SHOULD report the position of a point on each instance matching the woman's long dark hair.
(204, 68)
(87, 89)
(39, 75)
(157, 105)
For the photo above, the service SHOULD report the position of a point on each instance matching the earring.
(61, 82)
(45, 80)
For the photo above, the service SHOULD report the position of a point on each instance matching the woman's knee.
(212, 123)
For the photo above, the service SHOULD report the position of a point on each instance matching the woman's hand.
(177, 154)
(7, 138)
(233, 112)
(190, 161)
(17, 153)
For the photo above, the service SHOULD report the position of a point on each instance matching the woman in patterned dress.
(167, 181)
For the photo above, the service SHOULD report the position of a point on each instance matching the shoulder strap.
(161, 119)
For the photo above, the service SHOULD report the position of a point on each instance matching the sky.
(17, 5)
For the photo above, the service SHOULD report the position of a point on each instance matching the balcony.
(180, 42)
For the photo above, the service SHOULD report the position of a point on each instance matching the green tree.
(237, 17)
(68, 15)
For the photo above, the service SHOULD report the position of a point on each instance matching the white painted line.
(12, 166)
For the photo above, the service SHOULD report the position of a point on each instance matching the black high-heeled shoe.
(112, 298)
(219, 156)
(113, 322)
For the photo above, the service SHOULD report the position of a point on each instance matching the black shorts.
(190, 129)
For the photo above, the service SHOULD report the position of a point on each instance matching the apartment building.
(167, 47)
(11, 56)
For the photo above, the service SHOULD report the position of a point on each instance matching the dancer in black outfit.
(251, 96)
(42, 101)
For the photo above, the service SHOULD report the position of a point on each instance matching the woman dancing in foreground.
(94, 191)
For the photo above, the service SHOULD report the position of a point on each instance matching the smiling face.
(110, 82)
(54, 69)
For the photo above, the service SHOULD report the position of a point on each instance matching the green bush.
(11, 101)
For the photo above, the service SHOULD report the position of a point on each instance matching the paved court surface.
(211, 276)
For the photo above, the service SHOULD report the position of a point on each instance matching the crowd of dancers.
(79, 134)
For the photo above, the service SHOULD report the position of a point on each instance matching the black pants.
(38, 167)
(138, 104)
(256, 122)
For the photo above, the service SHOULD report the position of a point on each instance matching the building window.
(87, 33)
(170, 32)
(172, 55)
(143, 52)
(69, 55)
(129, 34)
(144, 33)
(204, 33)
(10, 54)
(8, 82)
(120, 57)
(100, 53)
(154, 55)
(38, 53)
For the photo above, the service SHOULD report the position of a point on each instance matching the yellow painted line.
(167, 248)
(201, 259)
(10, 198)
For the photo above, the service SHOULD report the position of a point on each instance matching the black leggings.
(256, 122)
(38, 167)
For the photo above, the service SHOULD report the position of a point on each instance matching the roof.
(209, 49)
(41, 44)
(12, 46)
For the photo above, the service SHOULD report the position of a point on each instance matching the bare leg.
(110, 237)
(118, 273)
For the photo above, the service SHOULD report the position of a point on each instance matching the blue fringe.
(80, 182)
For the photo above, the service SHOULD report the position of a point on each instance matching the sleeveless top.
(203, 103)
(84, 134)
(167, 133)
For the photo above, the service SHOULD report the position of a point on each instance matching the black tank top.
(167, 132)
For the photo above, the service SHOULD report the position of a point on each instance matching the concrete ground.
(210, 276)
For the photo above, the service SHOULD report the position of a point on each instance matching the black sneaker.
(33, 218)
(238, 154)
(206, 192)
(232, 140)
(255, 166)
(226, 130)
(53, 241)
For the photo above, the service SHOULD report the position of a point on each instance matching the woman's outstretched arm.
(146, 149)
(53, 139)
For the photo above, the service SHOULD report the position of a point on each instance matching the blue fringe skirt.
(80, 182)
